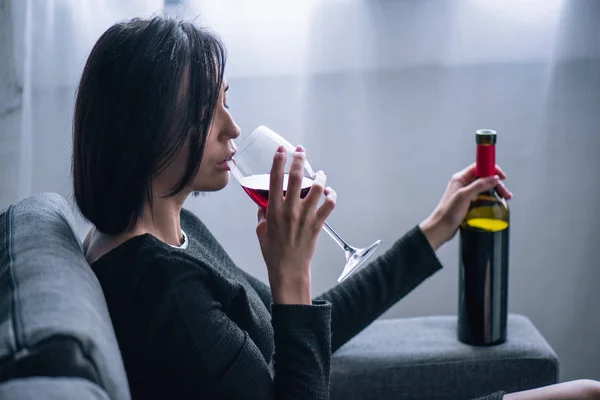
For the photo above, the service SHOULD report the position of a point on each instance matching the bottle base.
(482, 343)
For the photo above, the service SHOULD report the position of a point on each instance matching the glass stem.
(347, 248)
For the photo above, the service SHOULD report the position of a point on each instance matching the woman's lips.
(223, 165)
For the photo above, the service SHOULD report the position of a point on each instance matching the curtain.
(43, 46)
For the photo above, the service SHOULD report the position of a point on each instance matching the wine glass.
(251, 167)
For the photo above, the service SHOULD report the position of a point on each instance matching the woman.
(151, 126)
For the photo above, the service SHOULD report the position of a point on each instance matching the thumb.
(480, 185)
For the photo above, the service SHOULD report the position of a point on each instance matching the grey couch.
(57, 341)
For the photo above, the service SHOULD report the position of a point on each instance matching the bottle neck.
(485, 160)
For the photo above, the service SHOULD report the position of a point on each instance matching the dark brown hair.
(133, 115)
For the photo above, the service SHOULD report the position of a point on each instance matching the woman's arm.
(368, 293)
(363, 297)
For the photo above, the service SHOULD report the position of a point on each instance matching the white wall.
(386, 96)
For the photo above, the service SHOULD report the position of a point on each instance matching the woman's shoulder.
(98, 248)
(145, 258)
(145, 247)
(144, 254)
(146, 262)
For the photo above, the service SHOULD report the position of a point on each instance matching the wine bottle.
(483, 257)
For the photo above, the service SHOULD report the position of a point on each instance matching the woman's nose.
(235, 130)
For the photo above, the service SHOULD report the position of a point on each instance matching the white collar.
(185, 243)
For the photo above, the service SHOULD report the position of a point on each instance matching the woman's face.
(213, 173)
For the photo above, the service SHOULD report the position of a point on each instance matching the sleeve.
(209, 356)
(369, 292)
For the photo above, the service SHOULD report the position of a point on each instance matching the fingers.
(316, 191)
(499, 172)
(276, 181)
(327, 207)
(292, 196)
(503, 191)
(467, 177)
(292, 205)
(480, 185)
(484, 184)
(468, 174)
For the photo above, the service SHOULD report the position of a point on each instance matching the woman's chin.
(214, 184)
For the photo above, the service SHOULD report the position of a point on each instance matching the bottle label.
(486, 160)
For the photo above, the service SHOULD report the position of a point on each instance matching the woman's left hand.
(464, 187)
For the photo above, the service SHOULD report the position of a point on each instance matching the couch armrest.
(421, 358)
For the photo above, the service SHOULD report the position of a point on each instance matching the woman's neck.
(162, 221)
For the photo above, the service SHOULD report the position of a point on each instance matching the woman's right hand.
(289, 228)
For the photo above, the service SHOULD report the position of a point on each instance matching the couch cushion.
(51, 389)
(421, 358)
(53, 316)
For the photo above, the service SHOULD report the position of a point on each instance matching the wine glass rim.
(246, 142)
(251, 138)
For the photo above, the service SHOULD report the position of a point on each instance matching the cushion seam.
(15, 319)
(551, 363)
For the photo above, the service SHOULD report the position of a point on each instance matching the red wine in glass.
(257, 187)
